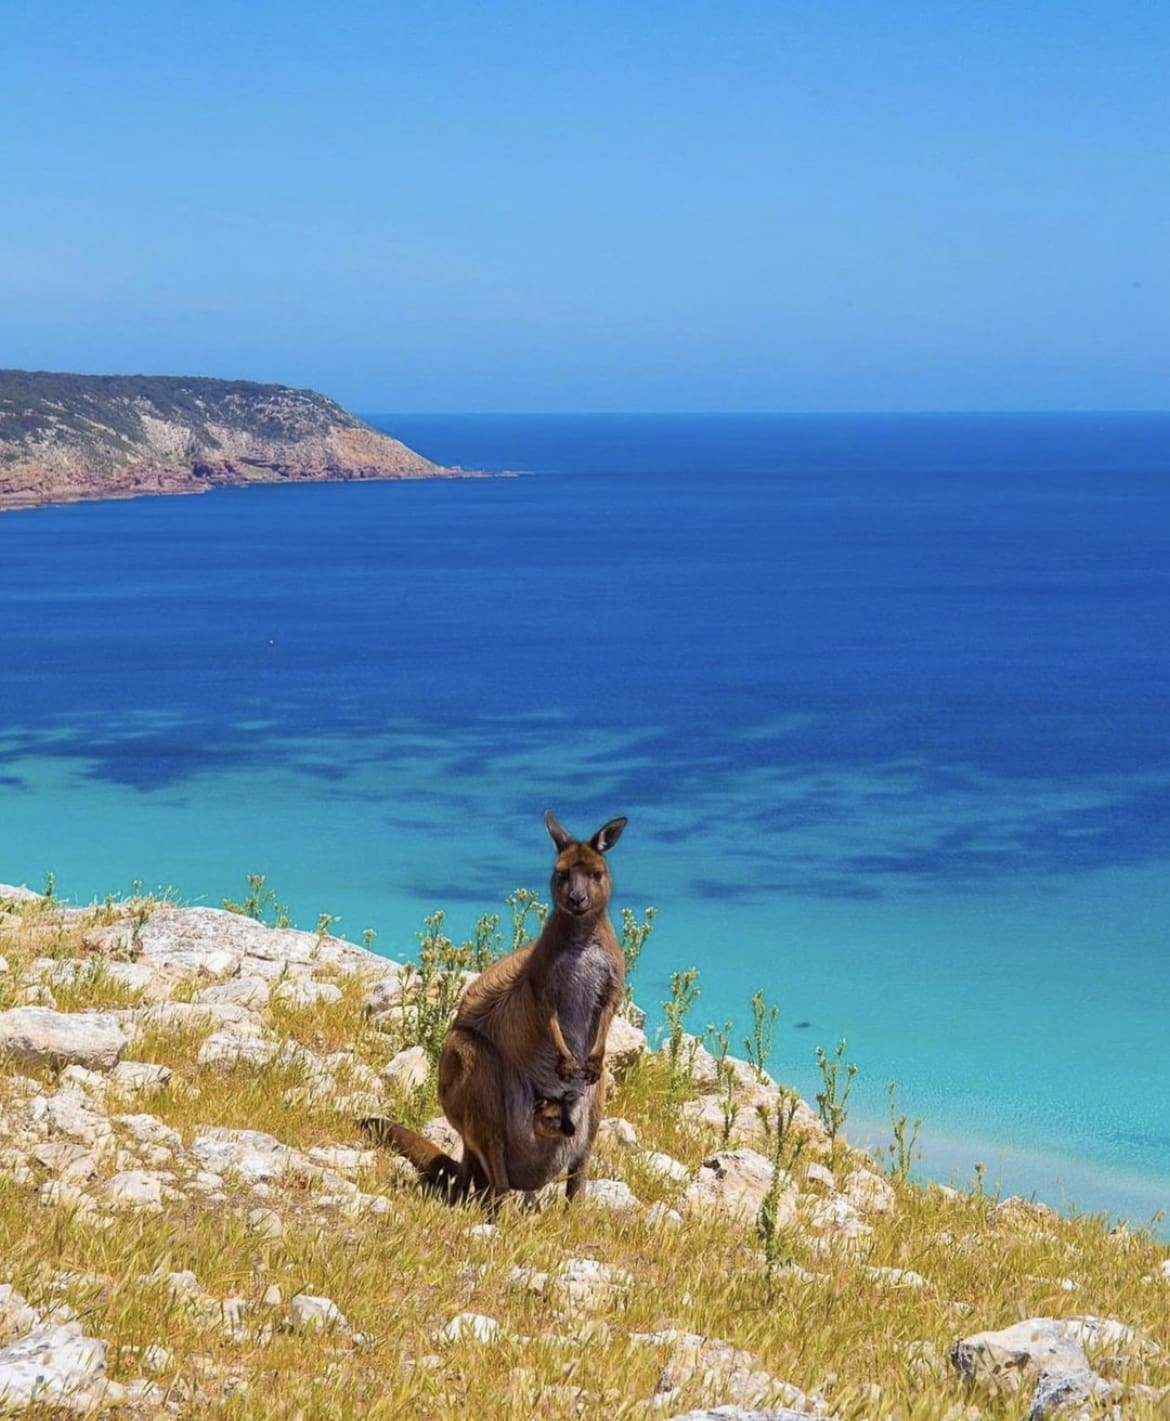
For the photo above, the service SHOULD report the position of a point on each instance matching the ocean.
(885, 699)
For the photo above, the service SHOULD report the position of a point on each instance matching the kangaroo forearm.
(596, 1050)
(566, 1061)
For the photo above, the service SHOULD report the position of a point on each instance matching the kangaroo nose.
(577, 899)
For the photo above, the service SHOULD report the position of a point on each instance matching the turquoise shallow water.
(885, 701)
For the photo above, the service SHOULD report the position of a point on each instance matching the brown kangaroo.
(534, 1023)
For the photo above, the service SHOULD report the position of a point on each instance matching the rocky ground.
(191, 1221)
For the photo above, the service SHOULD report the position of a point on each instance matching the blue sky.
(790, 205)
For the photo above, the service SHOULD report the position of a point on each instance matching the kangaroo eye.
(562, 875)
(597, 875)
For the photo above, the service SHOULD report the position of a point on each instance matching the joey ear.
(608, 835)
(561, 837)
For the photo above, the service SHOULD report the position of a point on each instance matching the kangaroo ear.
(608, 835)
(561, 837)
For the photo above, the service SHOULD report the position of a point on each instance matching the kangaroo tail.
(436, 1169)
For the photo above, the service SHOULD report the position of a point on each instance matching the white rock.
(353, 1068)
(93, 1083)
(206, 1182)
(149, 1130)
(1092, 1331)
(67, 1112)
(737, 1182)
(666, 1166)
(611, 1194)
(266, 1222)
(310, 1314)
(409, 1070)
(819, 1175)
(1041, 1351)
(583, 1285)
(49, 1038)
(135, 976)
(384, 996)
(624, 1045)
(193, 1016)
(225, 1051)
(473, 1326)
(74, 1163)
(869, 1192)
(190, 938)
(252, 993)
(135, 1189)
(662, 1216)
(138, 1077)
(50, 1364)
(740, 1413)
(55, 1193)
(219, 964)
(694, 1059)
(4, 967)
(13, 893)
(248, 1154)
(344, 1159)
(439, 1130)
(155, 1358)
(16, 1317)
(838, 1215)
(616, 1131)
(481, 1231)
(302, 992)
(725, 1373)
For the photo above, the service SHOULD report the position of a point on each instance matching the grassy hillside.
(127, 1203)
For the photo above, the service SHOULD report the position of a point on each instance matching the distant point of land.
(70, 437)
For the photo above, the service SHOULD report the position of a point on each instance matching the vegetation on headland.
(847, 1284)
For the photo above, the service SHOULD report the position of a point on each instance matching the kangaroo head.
(580, 883)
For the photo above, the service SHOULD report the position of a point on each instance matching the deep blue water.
(885, 699)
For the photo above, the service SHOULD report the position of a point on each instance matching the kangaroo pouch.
(533, 1160)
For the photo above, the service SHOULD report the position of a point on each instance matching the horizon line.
(762, 414)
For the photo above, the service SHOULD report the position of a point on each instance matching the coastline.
(61, 498)
(1070, 1184)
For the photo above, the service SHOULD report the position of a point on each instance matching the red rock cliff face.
(64, 438)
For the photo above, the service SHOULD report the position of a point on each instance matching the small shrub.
(525, 903)
(725, 1075)
(833, 1097)
(759, 1046)
(259, 903)
(487, 942)
(633, 940)
(901, 1147)
(684, 992)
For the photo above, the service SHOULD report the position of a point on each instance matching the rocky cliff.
(70, 437)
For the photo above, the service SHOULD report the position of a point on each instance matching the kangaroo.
(551, 1118)
(534, 1023)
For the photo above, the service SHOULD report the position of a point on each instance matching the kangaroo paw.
(567, 1069)
(592, 1069)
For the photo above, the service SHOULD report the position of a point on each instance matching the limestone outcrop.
(70, 437)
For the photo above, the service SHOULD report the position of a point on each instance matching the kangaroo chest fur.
(578, 984)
